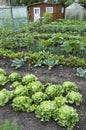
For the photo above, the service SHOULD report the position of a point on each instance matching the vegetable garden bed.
(54, 59)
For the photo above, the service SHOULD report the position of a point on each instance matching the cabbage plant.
(14, 76)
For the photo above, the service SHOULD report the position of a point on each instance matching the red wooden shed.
(37, 10)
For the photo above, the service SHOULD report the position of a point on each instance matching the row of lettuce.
(47, 101)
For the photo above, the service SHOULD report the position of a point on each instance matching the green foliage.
(54, 90)
(17, 63)
(35, 86)
(38, 97)
(5, 96)
(74, 97)
(47, 18)
(29, 78)
(15, 84)
(66, 116)
(9, 125)
(44, 110)
(69, 86)
(3, 80)
(60, 101)
(21, 103)
(20, 91)
(81, 72)
(2, 71)
(14, 76)
(50, 62)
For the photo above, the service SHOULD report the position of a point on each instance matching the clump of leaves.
(53, 90)
(15, 84)
(5, 96)
(66, 116)
(69, 86)
(21, 103)
(38, 97)
(7, 125)
(50, 62)
(2, 71)
(20, 91)
(34, 87)
(14, 76)
(74, 97)
(44, 110)
(29, 78)
(81, 72)
(60, 101)
(3, 79)
(17, 63)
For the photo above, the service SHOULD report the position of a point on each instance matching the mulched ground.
(58, 74)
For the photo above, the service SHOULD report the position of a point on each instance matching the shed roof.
(46, 3)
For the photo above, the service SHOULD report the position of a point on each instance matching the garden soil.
(56, 75)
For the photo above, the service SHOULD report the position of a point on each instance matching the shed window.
(49, 9)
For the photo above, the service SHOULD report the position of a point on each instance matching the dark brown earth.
(58, 74)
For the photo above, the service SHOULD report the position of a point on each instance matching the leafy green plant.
(15, 84)
(59, 101)
(2, 71)
(44, 110)
(47, 18)
(9, 125)
(14, 76)
(21, 103)
(35, 86)
(54, 90)
(69, 86)
(66, 116)
(20, 91)
(29, 78)
(5, 96)
(17, 63)
(81, 72)
(3, 79)
(50, 62)
(74, 97)
(38, 97)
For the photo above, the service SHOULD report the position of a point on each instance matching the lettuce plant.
(15, 84)
(21, 103)
(59, 101)
(53, 90)
(38, 97)
(2, 71)
(66, 116)
(34, 87)
(14, 76)
(44, 110)
(20, 91)
(3, 79)
(74, 97)
(29, 78)
(5, 96)
(69, 86)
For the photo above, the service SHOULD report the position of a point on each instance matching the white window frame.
(49, 9)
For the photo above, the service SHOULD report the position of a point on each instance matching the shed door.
(36, 13)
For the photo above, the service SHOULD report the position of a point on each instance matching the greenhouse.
(75, 11)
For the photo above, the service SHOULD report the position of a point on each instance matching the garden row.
(27, 93)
